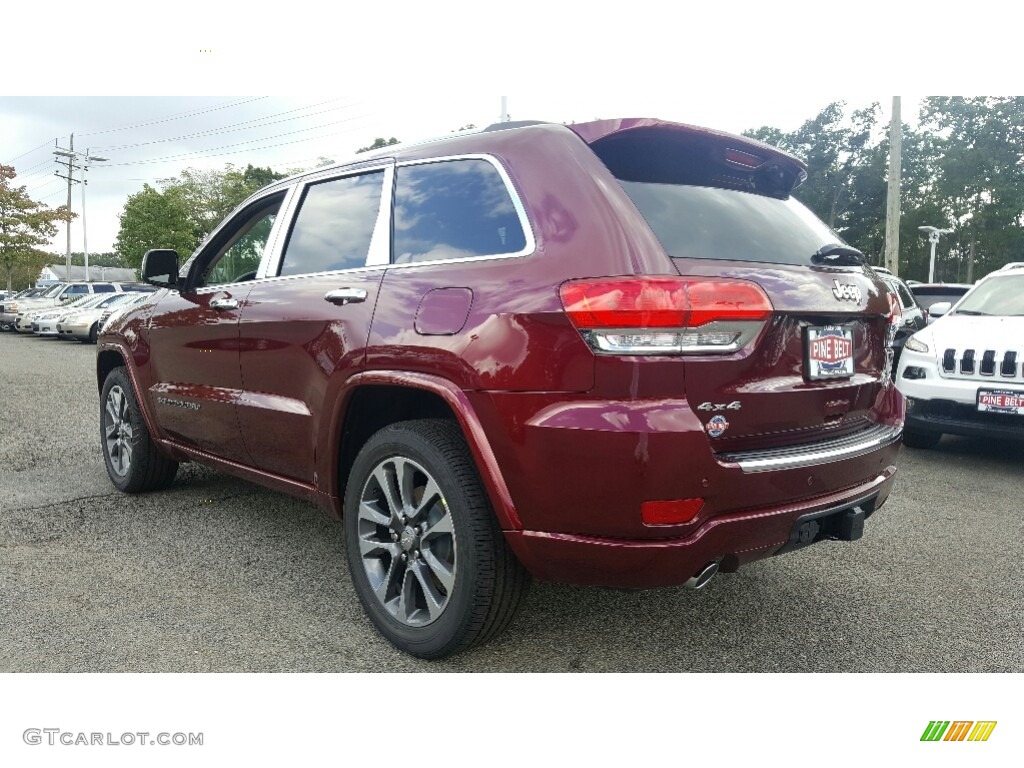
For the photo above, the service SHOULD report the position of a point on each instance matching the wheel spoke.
(383, 478)
(434, 600)
(368, 511)
(441, 570)
(126, 452)
(440, 527)
(405, 476)
(382, 589)
(128, 433)
(111, 409)
(376, 546)
(431, 493)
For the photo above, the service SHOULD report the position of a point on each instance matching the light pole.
(933, 237)
(85, 243)
(69, 153)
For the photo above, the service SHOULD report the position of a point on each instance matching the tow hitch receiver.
(846, 524)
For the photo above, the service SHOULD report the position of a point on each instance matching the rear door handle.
(223, 304)
(342, 296)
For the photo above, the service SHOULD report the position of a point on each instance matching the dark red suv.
(611, 353)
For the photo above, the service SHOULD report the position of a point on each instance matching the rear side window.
(334, 225)
(77, 290)
(452, 210)
(101, 288)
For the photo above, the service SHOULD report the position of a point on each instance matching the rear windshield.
(926, 296)
(707, 223)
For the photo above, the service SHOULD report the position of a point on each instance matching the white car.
(964, 374)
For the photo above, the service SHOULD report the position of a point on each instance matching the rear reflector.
(670, 512)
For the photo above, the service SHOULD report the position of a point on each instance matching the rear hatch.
(721, 207)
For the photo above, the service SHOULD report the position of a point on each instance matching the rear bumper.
(950, 418)
(731, 539)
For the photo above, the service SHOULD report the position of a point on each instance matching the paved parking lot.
(220, 575)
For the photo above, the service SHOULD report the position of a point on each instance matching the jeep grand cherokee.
(614, 353)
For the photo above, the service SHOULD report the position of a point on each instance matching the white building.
(58, 273)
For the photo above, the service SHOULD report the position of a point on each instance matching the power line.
(231, 127)
(203, 153)
(44, 144)
(174, 117)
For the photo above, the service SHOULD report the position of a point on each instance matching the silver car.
(84, 323)
(43, 320)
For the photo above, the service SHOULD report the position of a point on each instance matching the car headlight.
(916, 345)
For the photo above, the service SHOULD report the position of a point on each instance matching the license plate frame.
(829, 352)
(998, 401)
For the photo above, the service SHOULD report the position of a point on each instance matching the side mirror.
(939, 308)
(160, 267)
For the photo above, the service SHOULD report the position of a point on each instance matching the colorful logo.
(716, 426)
(958, 730)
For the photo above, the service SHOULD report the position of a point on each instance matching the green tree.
(155, 219)
(24, 226)
(378, 143)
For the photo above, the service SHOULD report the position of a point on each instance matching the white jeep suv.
(964, 374)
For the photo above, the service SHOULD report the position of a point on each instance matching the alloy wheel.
(117, 431)
(407, 541)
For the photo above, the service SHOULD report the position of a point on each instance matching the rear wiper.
(838, 255)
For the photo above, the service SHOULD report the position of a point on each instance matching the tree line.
(962, 169)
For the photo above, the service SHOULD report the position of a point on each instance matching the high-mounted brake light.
(666, 315)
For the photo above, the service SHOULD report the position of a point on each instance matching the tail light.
(666, 316)
(895, 319)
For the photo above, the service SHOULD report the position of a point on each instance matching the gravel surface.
(216, 574)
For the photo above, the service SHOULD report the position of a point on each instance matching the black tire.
(93, 332)
(487, 582)
(924, 440)
(134, 463)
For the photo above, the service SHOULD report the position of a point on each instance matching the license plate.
(828, 352)
(1001, 401)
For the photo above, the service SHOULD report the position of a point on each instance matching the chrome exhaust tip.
(702, 577)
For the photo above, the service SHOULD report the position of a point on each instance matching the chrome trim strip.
(811, 454)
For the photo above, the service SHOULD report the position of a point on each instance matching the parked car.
(912, 315)
(43, 322)
(928, 294)
(55, 295)
(612, 353)
(84, 324)
(7, 316)
(964, 374)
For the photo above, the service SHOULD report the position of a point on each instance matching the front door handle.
(223, 304)
(342, 296)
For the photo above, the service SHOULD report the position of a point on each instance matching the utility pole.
(892, 209)
(69, 163)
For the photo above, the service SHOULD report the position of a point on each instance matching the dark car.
(937, 293)
(912, 315)
(612, 353)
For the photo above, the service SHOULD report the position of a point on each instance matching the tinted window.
(454, 209)
(335, 225)
(707, 223)
(100, 288)
(77, 289)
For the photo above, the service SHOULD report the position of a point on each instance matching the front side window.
(334, 226)
(453, 209)
(240, 249)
